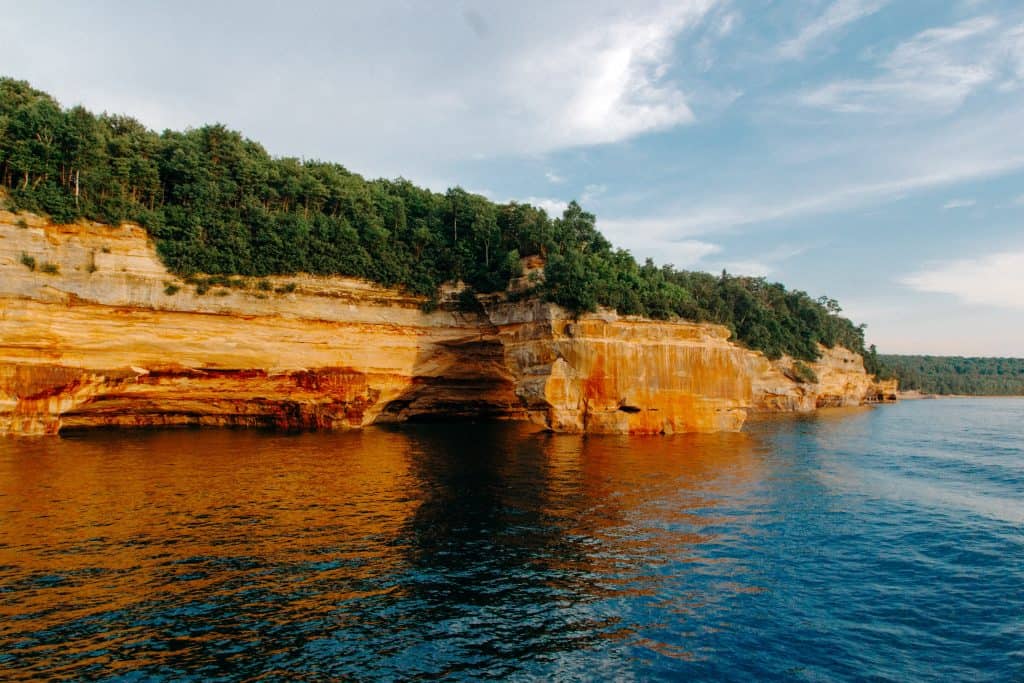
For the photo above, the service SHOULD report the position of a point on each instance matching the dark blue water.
(879, 544)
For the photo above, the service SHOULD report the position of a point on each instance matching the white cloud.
(736, 211)
(679, 253)
(719, 24)
(400, 88)
(973, 148)
(750, 268)
(726, 23)
(992, 280)
(553, 177)
(837, 16)
(656, 241)
(592, 192)
(554, 207)
(933, 72)
(683, 253)
(607, 83)
(959, 204)
(765, 262)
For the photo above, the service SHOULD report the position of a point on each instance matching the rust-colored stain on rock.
(107, 342)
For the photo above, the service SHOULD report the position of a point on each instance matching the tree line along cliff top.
(217, 203)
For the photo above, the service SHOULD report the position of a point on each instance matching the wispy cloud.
(735, 211)
(680, 253)
(662, 245)
(959, 204)
(592, 192)
(402, 89)
(553, 177)
(766, 262)
(933, 72)
(992, 280)
(838, 15)
(608, 83)
(719, 24)
(750, 268)
(553, 207)
(973, 148)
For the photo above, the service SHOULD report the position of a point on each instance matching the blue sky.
(869, 150)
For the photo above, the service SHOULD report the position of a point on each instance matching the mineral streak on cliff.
(94, 331)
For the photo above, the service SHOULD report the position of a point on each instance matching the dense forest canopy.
(217, 203)
(956, 375)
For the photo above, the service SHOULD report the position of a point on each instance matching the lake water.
(879, 543)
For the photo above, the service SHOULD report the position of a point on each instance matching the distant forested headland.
(956, 375)
(217, 203)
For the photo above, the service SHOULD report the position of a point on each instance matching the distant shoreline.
(917, 396)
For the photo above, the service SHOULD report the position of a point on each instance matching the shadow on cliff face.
(460, 379)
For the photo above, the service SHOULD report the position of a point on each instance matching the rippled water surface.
(883, 543)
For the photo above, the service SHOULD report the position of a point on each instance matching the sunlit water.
(884, 543)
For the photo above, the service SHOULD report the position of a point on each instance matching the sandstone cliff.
(94, 331)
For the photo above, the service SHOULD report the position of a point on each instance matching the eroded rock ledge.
(98, 333)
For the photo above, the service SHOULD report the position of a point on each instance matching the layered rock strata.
(95, 332)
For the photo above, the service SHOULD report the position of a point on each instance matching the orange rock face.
(607, 374)
(105, 336)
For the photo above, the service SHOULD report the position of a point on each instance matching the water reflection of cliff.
(544, 541)
(412, 550)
